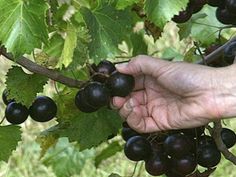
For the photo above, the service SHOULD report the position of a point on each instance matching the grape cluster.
(106, 82)
(175, 153)
(42, 109)
(225, 12)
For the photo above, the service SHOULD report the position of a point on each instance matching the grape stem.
(216, 134)
(35, 68)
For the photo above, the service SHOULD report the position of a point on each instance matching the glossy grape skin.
(5, 100)
(127, 132)
(206, 140)
(182, 17)
(106, 67)
(137, 148)
(225, 17)
(231, 6)
(120, 84)
(43, 109)
(16, 113)
(216, 3)
(208, 156)
(177, 145)
(184, 165)
(228, 137)
(156, 165)
(97, 95)
(81, 103)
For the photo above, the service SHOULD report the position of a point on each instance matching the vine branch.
(35, 68)
(216, 134)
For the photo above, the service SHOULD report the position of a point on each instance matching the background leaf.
(24, 87)
(22, 25)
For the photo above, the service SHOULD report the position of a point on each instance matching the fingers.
(142, 65)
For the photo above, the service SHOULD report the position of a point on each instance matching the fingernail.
(130, 104)
(121, 66)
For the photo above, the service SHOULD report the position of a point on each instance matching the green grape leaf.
(107, 152)
(101, 124)
(24, 87)
(162, 11)
(139, 45)
(69, 46)
(122, 4)
(66, 159)
(107, 27)
(9, 137)
(22, 25)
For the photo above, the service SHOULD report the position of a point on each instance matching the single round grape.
(177, 145)
(43, 109)
(225, 17)
(137, 148)
(5, 100)
(206, 140)
(127, 132)
(81, 103)
(106, 67)
(97, 95)
(16, 113)
(208, 156)
(120, 84)
(228, 137)
(156, 165)
(196, 5)
(182, 17)
(184, 165)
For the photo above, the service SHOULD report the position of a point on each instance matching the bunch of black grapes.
(42, 109)
(175, 153)
(106, 82)
(225, 12)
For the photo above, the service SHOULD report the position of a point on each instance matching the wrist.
(224, 90)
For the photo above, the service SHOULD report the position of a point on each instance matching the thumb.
(142, 65)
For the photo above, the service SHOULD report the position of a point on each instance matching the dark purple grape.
(106, 67)
(97, 95)
(137, 148)
(120, 84)
(43, 109)
(208, 156)
(205, 140)
(5, 100)
(182, 17)
(16, 113)
(228, 137)
(230, 50)
(177, 145)
(225, 17)
(231, 6)
(216, 3)
(156, 165)
(82, 104)
(184, 165)
(127, 132)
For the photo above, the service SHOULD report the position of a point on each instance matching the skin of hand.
(175, 95)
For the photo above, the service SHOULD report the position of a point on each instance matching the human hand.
(170, 95)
